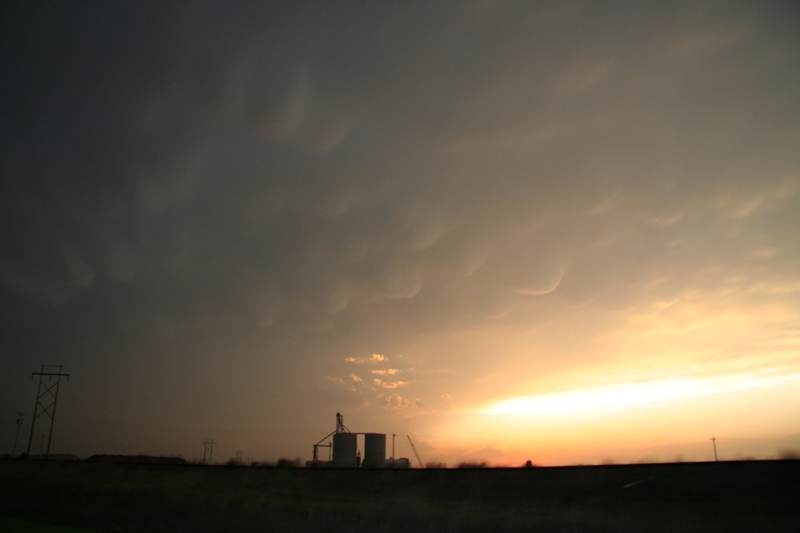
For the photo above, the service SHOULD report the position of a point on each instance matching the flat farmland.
(86, 496)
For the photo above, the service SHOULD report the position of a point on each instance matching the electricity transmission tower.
(46, 400)
(208, 450)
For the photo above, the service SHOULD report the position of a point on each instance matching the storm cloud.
(229, 200)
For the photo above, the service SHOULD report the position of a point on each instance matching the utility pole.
(20, 417)
(46, 399)
(393, 456)
(208, 450)
(238, 457)
(714, 442)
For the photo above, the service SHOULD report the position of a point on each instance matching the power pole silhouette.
(208, 450)
(714, 442)
(46, 400)
(238, 457)
(20, 417)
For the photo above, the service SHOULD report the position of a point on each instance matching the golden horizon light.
(625, 395)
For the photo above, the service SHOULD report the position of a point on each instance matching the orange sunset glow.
(549, 231)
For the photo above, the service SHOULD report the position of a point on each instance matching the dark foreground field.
(85, 496)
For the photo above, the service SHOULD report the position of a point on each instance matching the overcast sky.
(230, 220)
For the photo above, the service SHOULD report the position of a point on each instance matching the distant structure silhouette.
(208, 450)
(416, 453)
(46, 400)
(20, 418)
(343, 450)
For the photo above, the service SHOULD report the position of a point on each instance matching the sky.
(564, 232)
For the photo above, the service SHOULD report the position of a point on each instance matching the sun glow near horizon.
(627, 395)
(653, 420)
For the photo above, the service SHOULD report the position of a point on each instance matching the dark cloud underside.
(272, 187)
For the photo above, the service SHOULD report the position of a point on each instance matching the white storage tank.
(344, 450)
(374, 450)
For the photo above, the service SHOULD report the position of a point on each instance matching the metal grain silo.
(344, 450)
(374, 450)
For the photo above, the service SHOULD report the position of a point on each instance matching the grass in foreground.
(741, 496)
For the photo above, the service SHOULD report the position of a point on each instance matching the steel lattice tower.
(46, 399)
